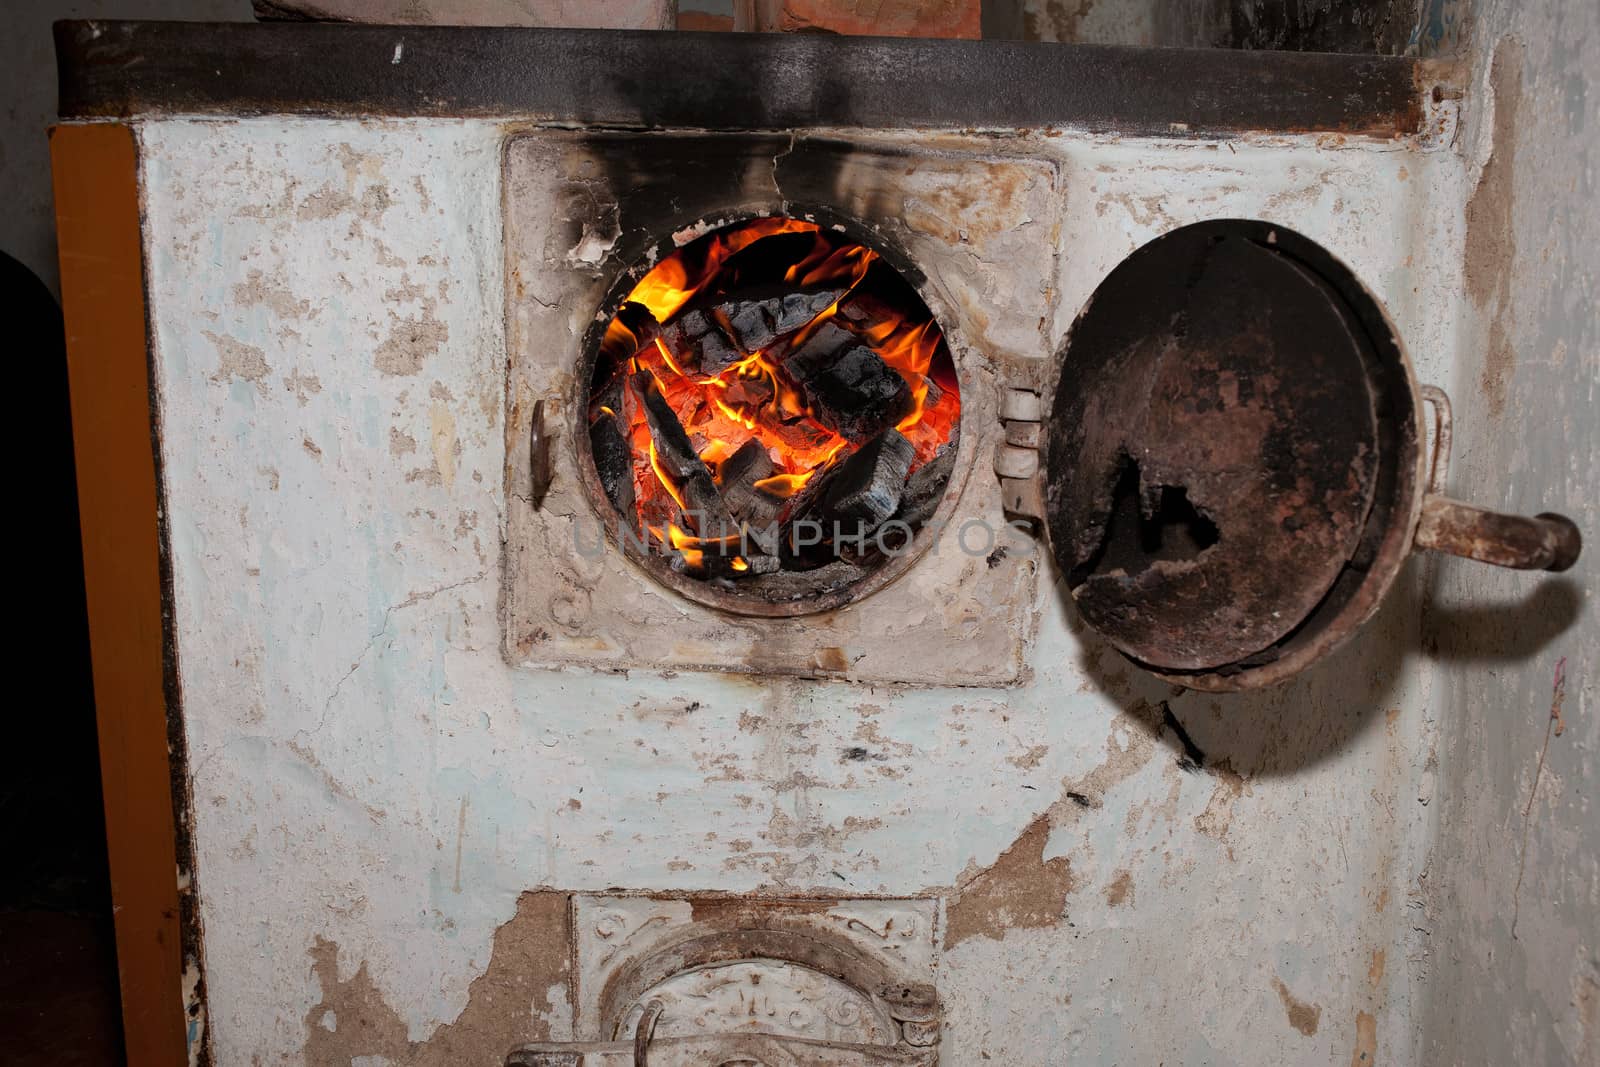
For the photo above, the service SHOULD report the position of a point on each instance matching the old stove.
(603, 600)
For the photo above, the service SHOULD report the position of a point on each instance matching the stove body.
(455, 785)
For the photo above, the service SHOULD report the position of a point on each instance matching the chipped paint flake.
(1020, 890)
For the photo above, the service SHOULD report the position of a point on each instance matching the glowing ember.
(807, 344)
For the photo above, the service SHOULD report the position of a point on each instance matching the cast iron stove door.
(1233, 465)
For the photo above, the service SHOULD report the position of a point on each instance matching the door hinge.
(1016, 458)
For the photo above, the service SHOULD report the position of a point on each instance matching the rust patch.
(1546, 542)
(831, 658)
(746, 913)
(1587, 1000)
(1120, 891)
(508, 1004)
(1491, 244)
(1020, 890)
(1558, 697)
(1302, 1016)
(1376, 968)
(1218, 816)
(1366, 1050)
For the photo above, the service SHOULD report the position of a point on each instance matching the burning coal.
(769, 377)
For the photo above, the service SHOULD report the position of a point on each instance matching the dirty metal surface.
(1372, 26)
(719, 80)
(1213, 447)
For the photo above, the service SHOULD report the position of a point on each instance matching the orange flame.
(754, 398)
(666, 479)
(668, 286)
(693, 549)
(785, 486)
(666, 354)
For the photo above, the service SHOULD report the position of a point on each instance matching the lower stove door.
(730, 980)
(765, 1050)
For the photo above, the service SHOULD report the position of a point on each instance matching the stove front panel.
(395, 825)
(980, 226)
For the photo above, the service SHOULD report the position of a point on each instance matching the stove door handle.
(1544, 542)
(539, 467)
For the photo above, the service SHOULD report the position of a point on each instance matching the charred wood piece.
(848, 387)
(760, 564)
(696, 339)
(748, 393)
(807, 537)
(613, 461)
(696, 489)
(867, 488)
(610, 397)
(715, 353)
(740, 471)
(925, 488)
(697, 344)
(632, 329)
(673, 450)
(758, 317)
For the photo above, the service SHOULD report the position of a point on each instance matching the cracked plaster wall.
(1512, 885)
(375, 790)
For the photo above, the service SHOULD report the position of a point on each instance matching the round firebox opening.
(771, 417)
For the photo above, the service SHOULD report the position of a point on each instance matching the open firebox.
(773, 409)
(793, 353)
(754, 383)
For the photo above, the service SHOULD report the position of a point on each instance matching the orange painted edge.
(96, 180)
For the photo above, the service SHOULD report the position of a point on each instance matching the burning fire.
(755, 394)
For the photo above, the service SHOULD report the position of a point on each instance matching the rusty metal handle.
(646, 1030)
(1547, 542)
